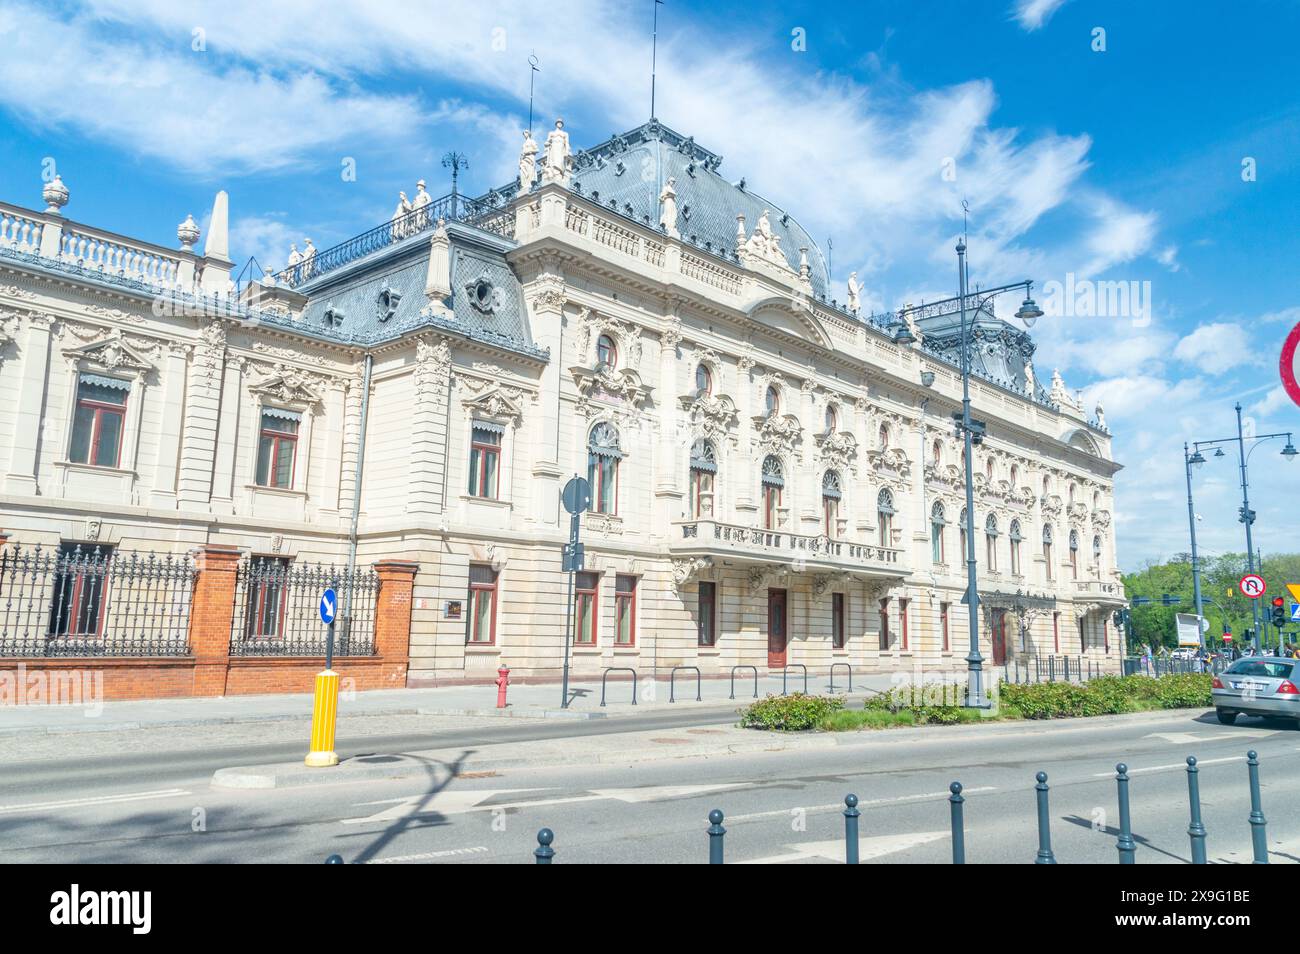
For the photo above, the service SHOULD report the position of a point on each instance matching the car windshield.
(1261, 667)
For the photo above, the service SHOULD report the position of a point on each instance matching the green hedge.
(793, 713)
(1105, 695)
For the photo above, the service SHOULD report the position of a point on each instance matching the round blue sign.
(329, 606)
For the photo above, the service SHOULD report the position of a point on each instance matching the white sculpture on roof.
(528, 162)
(421, 201)
(400, 225)
(855, 289)
(308, 258)
(765, 244)
(295, 256)
(1101, 415)
(668, 207)
(556, 168)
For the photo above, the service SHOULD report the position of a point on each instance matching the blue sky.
(1120, 165)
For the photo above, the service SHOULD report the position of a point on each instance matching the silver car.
(1257, 686)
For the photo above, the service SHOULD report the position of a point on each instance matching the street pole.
(975, 697)
(1247, 518)
(1196, 566)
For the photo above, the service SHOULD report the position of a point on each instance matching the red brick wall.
(211, 671)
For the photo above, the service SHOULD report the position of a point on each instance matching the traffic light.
(1279, 612)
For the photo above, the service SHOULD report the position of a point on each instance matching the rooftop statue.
(765, 244)
(528, 162)
(308, 258)
(400, 224)
(855, 288)
(1101, 415)
(668, 207)
(421, 201)
(556, 167)
(295, 256)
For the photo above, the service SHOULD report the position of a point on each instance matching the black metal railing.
(277, 609)
(489, 212)
(89, 600)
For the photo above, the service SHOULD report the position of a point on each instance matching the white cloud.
(1287, 316)
(1274, 401)
(1168, 257)
(1216, 347)
(1033, 14)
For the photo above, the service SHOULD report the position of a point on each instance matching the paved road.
(780, 806)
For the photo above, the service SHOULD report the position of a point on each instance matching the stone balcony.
(1102, 592)
(751, 546)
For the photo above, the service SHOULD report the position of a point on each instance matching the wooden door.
(777, 636)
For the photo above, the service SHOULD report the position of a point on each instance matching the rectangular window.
(902, 622)
(943, 626)
(830, 515)
(1015, 557)
(936, 543)
(1056, 632)
(837, 621)
(485, 461)
(264, 616)
(991, 556)
(624, 610)
(701, 487)
(886, 521)
(277, 447)
(586, 591)
(99, 421)
(708, 613)
(884, 623)
(771, 502)
(602, 474)
(482, 605)
(80, 591)
(1047, 560)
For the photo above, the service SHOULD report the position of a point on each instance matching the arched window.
(1096, 554)
(1096, 500)
(1047, 486)
(704, 470)
(603, 456)
(773, 482)
(937, 524)
(936, 452)
(1072, 495)
(991, 543)
(1074, 554)
(961, 535)
(703, 380)
(988, 469)
(772, 401)
(884, 437)
(1047, 549)
(831, 502)
(606, 352)
(832, 419)
(1015, 476)
(1013, 535)
(885, 517)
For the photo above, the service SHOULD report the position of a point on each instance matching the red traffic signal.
(1279, 602)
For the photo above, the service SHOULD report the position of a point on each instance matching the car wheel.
(1227, 718)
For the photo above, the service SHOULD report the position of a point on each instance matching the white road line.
(1176, 765)
(730, 819)
(95, 800)
(428, 855)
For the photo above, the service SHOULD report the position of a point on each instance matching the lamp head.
(1289, 451)
(1029, 312)
(1197, 459)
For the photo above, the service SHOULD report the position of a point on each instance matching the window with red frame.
(1056, 631)
(624, 610)
(80, 590)
(482, 605)
(707, 610)
(264, 615)
(99, 421)
(277, 448)
(884, 623)
(586, 592)
(485, 461)
(902, 622)
(943, 625)
(838, 630)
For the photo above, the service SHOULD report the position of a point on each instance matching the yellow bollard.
(324, 712)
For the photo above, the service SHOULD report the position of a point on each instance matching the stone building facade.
(775, 477)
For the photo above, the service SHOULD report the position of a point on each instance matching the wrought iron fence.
(276, 611)
(80, 600)
(1163, 666)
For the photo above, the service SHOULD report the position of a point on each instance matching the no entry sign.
(1289, 366)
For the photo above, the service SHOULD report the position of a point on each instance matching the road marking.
(428, 855)
(453, 802)
(731, 819)
(833, 850)
(1176, 765)
(94, 800)
(652, 793)
(1187, 738)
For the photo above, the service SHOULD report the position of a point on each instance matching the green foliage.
(1106, 695)
(848, 720)
(792, 713)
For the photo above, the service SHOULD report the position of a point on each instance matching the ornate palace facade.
(775, 477)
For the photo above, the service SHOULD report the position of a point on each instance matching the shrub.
(792, 713)
(1105, 695)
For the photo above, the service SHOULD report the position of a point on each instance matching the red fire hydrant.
(503, 680)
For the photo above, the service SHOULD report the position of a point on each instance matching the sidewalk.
(526, 701)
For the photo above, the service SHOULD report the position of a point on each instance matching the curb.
(516, 713)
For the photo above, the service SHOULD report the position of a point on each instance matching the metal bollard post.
(1257, 823)
(851, 814)
(1045, 856)
(334, 860)
(1126, 845)
(716, 831)
(544, 852)
(955, 800)
(1195, 830)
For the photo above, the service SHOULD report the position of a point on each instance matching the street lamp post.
(1188, 463)
(1245, 514)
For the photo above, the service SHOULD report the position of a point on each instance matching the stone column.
(211, 616)
(169, 438)
(331, 451)
(429, 428)
(807, 506)
(547, 307)
(225, 450)
(21, 478)
(742, 481)
(351, 443)
(668, 490)
(202, 408)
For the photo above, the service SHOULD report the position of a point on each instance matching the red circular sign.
(1288, 364)
(1253, 586)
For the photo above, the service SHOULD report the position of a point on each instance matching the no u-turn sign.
(1289, 366)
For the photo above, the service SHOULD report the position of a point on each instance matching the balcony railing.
(1099, 590)
(781, 546)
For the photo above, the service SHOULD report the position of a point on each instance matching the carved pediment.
(838, 448)
(710, 416)
(110, 353)
(893, 461)
(500, 403)
(1101, 518)
(778, 433)
(287, 386)
(611, 385)
(1052, 504)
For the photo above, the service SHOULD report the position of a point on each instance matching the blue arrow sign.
(1295, 612)
(329, 606)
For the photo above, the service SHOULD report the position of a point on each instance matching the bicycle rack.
(673, 675)
(733, 680)
(604, 678)
(846, 666)
(805, 677)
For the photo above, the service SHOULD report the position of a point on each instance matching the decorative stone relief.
(432, 367)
